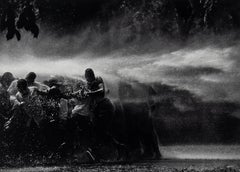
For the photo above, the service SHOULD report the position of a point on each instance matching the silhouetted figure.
(95, 85)
(31, 77)
(5, 107)
(6, 80)
(24, 93)
(102, 110)
(23, 126)
(56, 96)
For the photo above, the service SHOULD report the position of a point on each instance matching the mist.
(206, 64)
(186, 82)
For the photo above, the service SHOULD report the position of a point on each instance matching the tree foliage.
(16, 15)
(182, 17)
(185, 16)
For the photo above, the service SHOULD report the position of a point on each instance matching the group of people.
(27, 103)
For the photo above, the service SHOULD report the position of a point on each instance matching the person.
(102, 109)
(12, 89)
(5, 103)
(27, 99)
(24, 93)
(30, 78)
(55, 106)
(6, 80)
(95, 88)
(5, 107)
(24, 125)
(95, 85)
(56, 94)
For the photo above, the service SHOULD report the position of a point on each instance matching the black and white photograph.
(119, 85)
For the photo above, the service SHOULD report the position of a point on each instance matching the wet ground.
(224, 152)
(154, 166)
(206, 158)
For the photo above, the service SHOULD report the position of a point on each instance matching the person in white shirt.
(25, 93)
(26, 98)
(30, 78)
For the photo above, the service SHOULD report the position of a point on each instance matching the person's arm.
(74, 95)
(101, 89)
(19, 98)
(12, 89)
(14, 101)
(41, 86)
(67, 96)
(44, 87)
(41, 93)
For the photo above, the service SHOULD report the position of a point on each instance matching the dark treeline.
(173, 17)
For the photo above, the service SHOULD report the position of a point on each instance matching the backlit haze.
(206, 65)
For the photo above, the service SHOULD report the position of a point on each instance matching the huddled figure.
(55, 117)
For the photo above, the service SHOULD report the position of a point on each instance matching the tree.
(182, 17)
(16, 15)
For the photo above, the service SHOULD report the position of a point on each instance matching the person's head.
(22, 86)
(30, 78)
(89, 75)
(7, 79)
(53, 82)
(57, 82)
